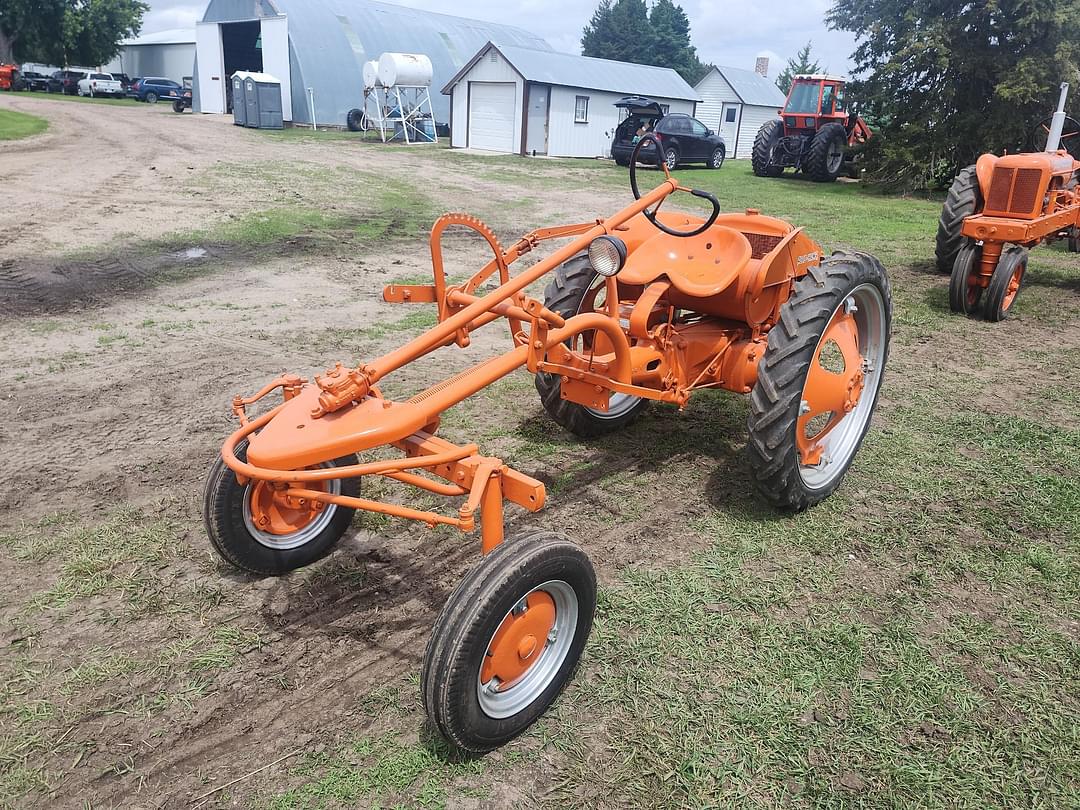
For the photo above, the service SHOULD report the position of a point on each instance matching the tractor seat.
(699, 266)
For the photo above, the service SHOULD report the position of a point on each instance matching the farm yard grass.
(914, 640)
(16, 125)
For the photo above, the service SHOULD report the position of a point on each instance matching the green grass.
(126, 102)
(16, 125)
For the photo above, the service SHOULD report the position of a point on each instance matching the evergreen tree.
(625, 30)
(800, 64)
(946, 82)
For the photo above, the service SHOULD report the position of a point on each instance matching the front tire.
(1005, 283)
(963, 200)
(570, 293)
(717, 158)
(178, 106)
(671, 158)
(965, 293)
(237, 537)
(819, 380)
(826, 158)
(507, 640)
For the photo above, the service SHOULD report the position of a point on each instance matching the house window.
(581, 110)
(729, 115)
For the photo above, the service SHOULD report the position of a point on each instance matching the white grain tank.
(371, 75)
(405, 69)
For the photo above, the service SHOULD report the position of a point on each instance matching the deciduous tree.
(63, 32)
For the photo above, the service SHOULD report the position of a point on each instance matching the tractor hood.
(640, 104)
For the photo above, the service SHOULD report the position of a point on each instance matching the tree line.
(67, 32)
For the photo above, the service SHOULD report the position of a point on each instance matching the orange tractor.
(815, 134)
(1002, 206)
(641, 307)
(10, 77)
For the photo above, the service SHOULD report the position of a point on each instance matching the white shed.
(166, 54)
(736, 103)
(519, 100)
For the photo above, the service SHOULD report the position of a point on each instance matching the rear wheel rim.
(271, 535)
(529, 648)
(836, 156)
(825, 452)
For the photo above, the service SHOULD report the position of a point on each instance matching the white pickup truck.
(100, 84)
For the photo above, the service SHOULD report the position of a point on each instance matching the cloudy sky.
(725, 32)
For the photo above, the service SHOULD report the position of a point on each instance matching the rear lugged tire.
(477, 715)
(232, 538)
(777, 399)
(761, 156)
(964, 199)
(822, 164)
(565, 295)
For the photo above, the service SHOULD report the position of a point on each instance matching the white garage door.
(491, 116)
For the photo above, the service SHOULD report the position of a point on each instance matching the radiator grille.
(1000, 186)
(1025, 191)
(760, 244)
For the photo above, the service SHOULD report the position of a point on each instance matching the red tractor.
(10, 77)
(815, 134)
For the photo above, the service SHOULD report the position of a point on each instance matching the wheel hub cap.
(514, 647)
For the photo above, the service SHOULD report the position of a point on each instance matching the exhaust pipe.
(1058, 122)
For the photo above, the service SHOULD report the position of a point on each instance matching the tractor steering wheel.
(662, 164)
(1070, 135)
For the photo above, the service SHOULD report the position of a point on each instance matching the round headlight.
(607, 254)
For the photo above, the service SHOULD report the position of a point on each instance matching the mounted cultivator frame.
(642, 306)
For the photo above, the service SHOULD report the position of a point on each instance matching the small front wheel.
(1005, 283)
(255, 528)
(507, 640)
(965, 292)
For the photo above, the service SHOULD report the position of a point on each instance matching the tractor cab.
(814, 101)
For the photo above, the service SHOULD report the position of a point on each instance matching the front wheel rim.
(1014, 286)
(285, 541)
(671, 159)
(718, 159)
(824, 456)
(529, 663)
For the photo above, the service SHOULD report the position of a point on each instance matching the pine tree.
(625, 30)
(800, 64)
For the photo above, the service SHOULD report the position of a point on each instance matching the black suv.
(65, 81)
(36, 81)
(683, 139)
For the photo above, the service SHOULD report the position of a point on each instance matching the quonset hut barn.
(323, 44)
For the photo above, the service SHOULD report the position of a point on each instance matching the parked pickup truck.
(100, 84)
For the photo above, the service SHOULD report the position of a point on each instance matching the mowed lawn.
(15, 125)
(912, 641)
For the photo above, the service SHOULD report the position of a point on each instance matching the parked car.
(683, 138)
(100, 84)
(150, 89)
(65, 81)
(36, 81)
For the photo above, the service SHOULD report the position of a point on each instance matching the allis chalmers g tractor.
(10, 77)
(1017, 200)
(641, 306)
(815, 133)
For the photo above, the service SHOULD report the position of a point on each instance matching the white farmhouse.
(524, 101)
(736, 103)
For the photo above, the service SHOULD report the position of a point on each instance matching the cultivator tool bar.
(641, 307)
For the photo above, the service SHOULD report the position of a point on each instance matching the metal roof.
(331, 39)
(173, 36)
(588, 73)
(752, 88)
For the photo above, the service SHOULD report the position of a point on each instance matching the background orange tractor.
(815, 133)
(1002, 206)
(10, 77)
(641, 307)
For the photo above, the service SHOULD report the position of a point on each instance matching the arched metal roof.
(329, 41)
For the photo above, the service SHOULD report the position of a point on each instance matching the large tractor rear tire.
(762, 154)
(963, 200)
(819, 380)
(569, 293)
(826, 158)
